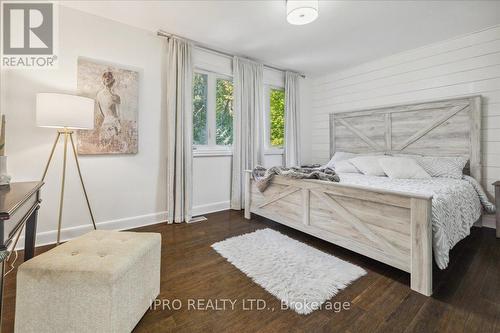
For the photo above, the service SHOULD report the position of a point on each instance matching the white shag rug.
(299, 275)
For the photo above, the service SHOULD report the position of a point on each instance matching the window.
(212, 110)
(275, 100)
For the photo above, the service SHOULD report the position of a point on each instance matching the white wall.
(465, 65)
(211, 183)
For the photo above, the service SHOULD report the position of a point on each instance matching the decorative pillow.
(448, 167)
(337, 157)
(368, 165)
(402, 168)
(345, 167)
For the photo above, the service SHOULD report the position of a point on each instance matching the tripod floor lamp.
(66, 113)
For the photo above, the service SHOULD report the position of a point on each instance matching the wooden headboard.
(450, 127)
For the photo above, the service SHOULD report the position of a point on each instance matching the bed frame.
(388, 226)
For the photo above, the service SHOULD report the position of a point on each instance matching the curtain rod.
(162, 33)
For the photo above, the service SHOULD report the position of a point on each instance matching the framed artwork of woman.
(115, 91)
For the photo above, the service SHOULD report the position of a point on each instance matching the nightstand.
(19, 203)
(497, 203)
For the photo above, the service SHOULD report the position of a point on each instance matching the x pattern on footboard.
(336, 210)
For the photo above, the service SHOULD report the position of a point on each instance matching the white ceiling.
(345, 34)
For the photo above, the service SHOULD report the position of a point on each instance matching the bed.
(388, 223)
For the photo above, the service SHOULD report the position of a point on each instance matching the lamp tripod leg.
(51, 155)
(81, 180)
(62, 188)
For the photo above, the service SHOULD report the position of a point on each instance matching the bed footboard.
(391, 227)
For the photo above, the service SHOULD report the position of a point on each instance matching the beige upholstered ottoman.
(101, 282)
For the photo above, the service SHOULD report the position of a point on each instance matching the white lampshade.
(300, 12)
(63, 110)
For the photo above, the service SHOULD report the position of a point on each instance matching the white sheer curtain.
(292, 109)
(248, 127)
(179, 76)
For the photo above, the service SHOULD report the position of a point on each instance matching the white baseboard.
(50, 237)
(489, 221)
(211, 208)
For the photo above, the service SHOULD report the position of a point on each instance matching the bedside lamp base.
(68, 134)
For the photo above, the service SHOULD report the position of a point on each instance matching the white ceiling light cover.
(300, 12)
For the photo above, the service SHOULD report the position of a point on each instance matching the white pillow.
(345, 167)
(337, 157)
(368, 165)
(402, 168)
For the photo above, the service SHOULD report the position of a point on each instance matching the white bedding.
(456, 205)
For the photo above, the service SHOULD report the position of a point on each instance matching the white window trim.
(268, 149)
(211, 149)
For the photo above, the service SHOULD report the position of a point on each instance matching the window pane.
(224, 112)
(277, 115)
(200, 88)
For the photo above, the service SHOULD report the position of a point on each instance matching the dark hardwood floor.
(466, 295)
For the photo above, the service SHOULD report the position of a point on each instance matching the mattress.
(456, 205)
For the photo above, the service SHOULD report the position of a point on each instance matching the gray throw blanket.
(264, 176)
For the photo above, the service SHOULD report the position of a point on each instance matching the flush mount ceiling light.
(300, 12)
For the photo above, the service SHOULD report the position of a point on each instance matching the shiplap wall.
(464, 65)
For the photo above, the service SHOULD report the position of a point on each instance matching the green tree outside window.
(224, 112)
(200, 91)
(277, 117)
